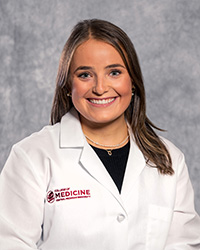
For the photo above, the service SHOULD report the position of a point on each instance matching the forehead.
(96, 51)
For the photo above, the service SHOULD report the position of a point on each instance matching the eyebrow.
(107, 67)
(114, 66)
(83, 68)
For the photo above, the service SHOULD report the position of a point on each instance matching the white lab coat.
(55, 194)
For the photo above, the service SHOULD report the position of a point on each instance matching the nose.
(100, 85)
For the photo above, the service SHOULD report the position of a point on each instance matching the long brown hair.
(154, 150)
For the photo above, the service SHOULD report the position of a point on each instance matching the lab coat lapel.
(91, 162)
(134, 168)
(71, 136)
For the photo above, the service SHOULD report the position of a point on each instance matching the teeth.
(103, 101)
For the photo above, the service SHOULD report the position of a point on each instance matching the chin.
(105, 120)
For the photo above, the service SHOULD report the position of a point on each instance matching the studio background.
(166, 35)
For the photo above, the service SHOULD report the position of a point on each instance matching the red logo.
(67, 194)
(50, 197)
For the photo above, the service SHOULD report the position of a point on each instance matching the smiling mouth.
(101, 101)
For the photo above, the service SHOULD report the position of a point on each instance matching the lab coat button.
(120, 217)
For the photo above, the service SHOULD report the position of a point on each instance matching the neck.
(112, 133)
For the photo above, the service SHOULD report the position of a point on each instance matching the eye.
(115, 72)
(84, 75)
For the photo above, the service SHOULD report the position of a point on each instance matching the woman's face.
(101, 85)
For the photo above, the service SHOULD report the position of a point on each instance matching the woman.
(98, 177)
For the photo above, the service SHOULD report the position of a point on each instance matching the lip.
(101, 102)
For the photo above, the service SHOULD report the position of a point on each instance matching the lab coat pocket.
(159, 220)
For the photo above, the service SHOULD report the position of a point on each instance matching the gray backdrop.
(166, 34)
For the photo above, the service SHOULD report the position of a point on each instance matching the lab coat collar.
(71, 134)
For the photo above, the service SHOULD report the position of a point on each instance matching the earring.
(133, 91)
(69, 95)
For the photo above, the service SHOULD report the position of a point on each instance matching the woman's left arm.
(184, 233)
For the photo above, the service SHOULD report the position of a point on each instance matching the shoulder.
(177, 156)
(171, 147)
(52, 137)
(40, 140)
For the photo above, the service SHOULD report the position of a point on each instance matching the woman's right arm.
(22, 192)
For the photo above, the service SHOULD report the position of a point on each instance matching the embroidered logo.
(50, 197)
(67, 194)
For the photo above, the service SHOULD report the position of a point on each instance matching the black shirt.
(115, 163)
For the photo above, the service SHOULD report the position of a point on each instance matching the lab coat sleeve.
(21, 203)
(184, 233)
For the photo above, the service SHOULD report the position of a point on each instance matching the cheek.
(126, 87)
(77, 90)
(80, 88)
(126, 92)
(76, 94)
